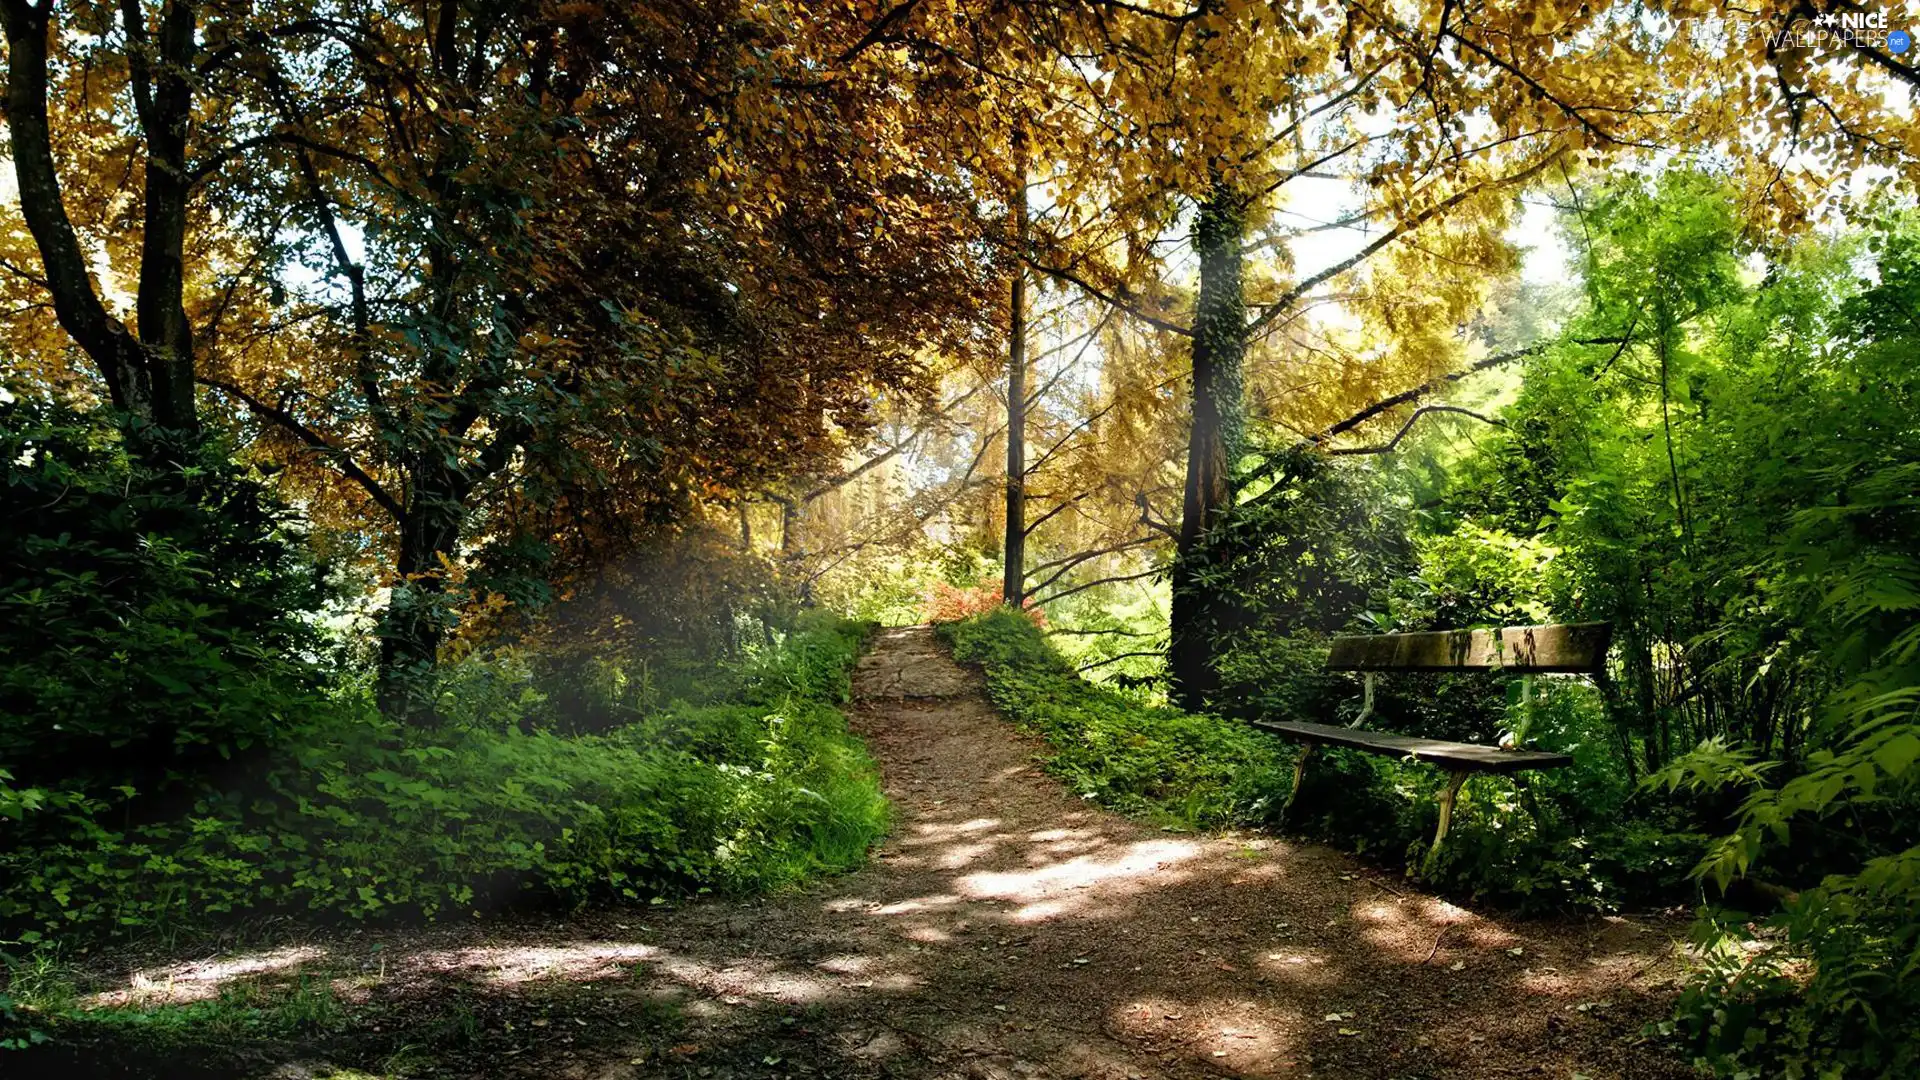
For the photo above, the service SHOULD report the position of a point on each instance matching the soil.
(1006, 930)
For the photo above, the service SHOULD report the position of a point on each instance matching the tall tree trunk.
(1013, 584)
(790, 527)
(163, 100)
(1214, 443)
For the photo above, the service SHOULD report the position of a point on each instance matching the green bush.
(1181, 769)
(155, 621)
(361, 818)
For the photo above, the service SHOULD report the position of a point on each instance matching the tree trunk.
(790, 528)
(1013, 584)
(164, 102)
(415, 623)
(1214, 442)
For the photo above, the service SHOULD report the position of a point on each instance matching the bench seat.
(1564, 648)
(1468, 757)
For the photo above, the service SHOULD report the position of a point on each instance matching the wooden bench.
(1574, 648)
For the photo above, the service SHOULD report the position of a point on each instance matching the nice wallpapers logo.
(1868, 29)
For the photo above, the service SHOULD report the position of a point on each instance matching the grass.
(756, 788)
(1178, 769)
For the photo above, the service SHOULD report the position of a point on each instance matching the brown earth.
(1007, 929)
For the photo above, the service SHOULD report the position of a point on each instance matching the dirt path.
(1010, 930)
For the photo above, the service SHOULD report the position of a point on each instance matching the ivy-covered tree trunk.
(1214, 442)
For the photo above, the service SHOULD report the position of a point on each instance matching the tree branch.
(1067, 564)
(1389, 446)
(1122, 656)
(341, 459)
(1293, 295)
(1099, 581)
(1112, 300)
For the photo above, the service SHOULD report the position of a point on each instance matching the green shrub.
(361, 818)
(154, 621)
(1177, 768)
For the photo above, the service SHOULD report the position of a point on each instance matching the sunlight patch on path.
(508, 965)
(203, 980)
(1042, 888)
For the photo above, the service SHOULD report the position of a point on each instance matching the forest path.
(1006, 930)
(1010, 929)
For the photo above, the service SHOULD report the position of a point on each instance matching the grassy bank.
(1174, 768)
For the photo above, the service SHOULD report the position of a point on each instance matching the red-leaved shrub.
(951, 603)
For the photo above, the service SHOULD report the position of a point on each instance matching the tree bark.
(1013, 584)
(1214, 442)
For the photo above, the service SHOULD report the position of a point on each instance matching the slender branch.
(1067, 564)
(1100, 581)
(1280, 306)
(1037, 522)
(1122, 656)
(1391, 444)
(341, 459)
(845, 477)
(1147, 518)
(879, 30)
(1111, 299)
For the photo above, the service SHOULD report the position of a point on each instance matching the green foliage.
(1722, 461)
(362, 818)
(154, 622)
(1181, 769)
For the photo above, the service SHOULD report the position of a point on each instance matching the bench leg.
(1455, 778)
(1299, 774)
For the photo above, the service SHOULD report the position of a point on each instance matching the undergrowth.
(360, 818)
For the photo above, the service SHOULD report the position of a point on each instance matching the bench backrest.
(1569, 647)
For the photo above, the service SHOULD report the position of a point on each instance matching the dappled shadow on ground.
(1007, 929)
